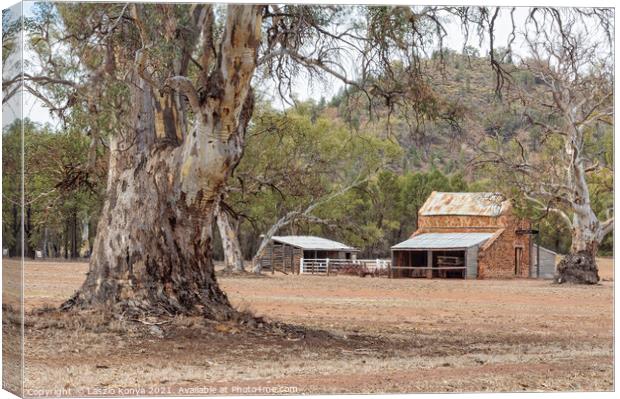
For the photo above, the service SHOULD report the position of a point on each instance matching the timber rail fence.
(332, 266)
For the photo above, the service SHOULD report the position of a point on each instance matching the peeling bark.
(152, 250)
(152, 253)
(85, 245)
(579, 266)
(233, 257)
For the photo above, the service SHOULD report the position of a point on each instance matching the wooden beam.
(429, 263)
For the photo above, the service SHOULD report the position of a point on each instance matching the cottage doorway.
(518, 258)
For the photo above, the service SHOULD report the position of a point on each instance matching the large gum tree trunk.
(152, 252)
(579, 266)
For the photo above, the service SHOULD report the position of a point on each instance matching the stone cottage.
(466, 235)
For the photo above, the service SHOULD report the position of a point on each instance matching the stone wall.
(496, 258)
(450, 223)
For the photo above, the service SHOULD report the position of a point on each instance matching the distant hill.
(465, 106)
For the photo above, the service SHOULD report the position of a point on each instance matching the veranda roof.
(444, 241)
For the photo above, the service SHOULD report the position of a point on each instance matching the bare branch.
(606, 228)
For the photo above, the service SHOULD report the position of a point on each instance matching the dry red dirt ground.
(354, 335)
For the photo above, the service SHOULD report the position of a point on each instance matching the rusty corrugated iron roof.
(464, 204)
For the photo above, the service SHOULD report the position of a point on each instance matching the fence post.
(301, 265)
(327, 265)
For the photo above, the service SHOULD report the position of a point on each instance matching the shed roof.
(444, 241)
(313, 242)
(464, 204)
(544, 249)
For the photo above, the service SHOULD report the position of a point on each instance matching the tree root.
(142, 306)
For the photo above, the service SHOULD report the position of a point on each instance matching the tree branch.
(184, 85)
(606, 228)
(305, 214)
(549, 208)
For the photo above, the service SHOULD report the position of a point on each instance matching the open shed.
(450, 255)
(285, 252)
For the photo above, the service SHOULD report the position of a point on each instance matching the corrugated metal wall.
(471, 261)
(547, 263)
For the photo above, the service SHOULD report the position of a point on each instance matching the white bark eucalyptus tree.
(229, 234)
(570, 55)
